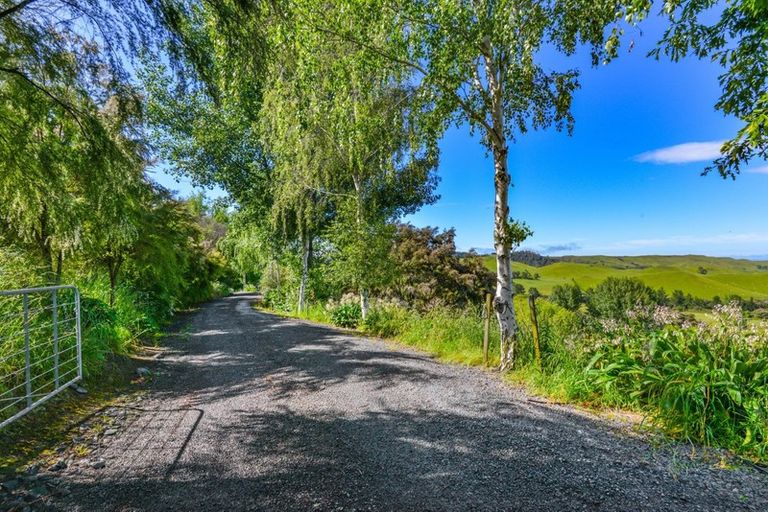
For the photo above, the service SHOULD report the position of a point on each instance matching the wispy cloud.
(759, 170)
(682, 153)
(570, 246)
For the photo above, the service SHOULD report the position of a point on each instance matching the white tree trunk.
(359, 197)
(364, 303)
(503, 302)
(306, 250)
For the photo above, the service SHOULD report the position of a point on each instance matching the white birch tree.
(479, 62)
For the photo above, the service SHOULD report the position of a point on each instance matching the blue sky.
(618, 185)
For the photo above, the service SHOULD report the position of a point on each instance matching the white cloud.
(759, 170)
(683, 153)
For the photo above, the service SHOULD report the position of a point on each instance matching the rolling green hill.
(723, 277)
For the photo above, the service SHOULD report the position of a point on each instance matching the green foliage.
(560, 334)
(616, 296)
(346, 314)
(568, 296)
(72, 71)
(278, 282)
(388, 320)
(515, 232)
(361, 252)
(430, 274)
(209, 143)
(703, 387)
(129, 289)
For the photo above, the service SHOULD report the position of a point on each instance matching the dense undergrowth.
(114, 322)
(706, 384)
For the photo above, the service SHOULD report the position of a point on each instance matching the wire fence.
(40, 347)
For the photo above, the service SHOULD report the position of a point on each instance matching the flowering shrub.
(704, 383)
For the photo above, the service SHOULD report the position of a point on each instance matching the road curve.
(250, 411)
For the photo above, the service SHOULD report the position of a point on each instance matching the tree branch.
(465, 106)
(12, 9)
(69, 108)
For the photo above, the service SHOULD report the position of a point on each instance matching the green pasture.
(723, 277)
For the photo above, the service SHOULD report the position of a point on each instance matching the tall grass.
(452, 335)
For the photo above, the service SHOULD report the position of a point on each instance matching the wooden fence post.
(535, 329)
(486, 326)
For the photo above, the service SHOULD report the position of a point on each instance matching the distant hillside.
(531, 258)
(701, 276)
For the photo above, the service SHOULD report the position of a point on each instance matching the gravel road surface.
(254, 412)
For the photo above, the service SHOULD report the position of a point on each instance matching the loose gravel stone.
(38, 492)
(11, 485)
(256, 412)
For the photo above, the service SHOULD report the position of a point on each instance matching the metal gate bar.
(46, 331)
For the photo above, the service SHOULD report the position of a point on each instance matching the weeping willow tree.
(70, 123)
(301, 206)
(58, 176)
(344, 148)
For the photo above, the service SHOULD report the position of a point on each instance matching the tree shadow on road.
(255, 352)
(481, 447)
(424, 460)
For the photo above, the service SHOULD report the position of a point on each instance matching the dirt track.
(251, 411)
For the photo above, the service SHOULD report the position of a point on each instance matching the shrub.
(95, 312)
(615, 296)
(568, 296)
(431, 274)
(279, 300)
(346, 315)
(708, 385)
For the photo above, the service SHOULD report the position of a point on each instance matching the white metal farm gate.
(40, 347)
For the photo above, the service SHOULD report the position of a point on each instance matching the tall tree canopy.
(344, 146)
(480, 62)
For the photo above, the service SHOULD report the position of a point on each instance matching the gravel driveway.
(254, 412)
